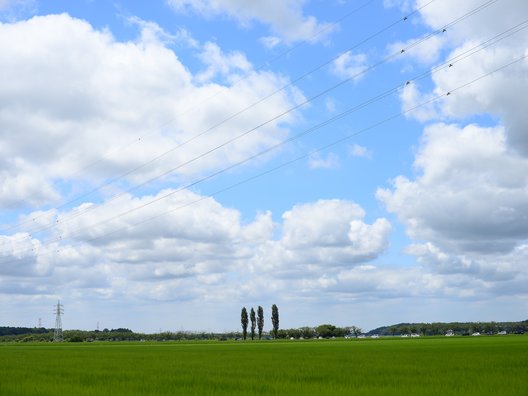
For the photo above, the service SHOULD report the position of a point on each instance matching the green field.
(427, 366)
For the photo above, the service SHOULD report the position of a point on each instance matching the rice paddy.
(492, 365)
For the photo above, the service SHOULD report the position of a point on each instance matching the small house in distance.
(449, 333)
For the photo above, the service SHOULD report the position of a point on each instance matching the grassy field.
(427, 366)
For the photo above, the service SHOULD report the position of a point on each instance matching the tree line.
(46, 335)
(458, 328)
(34, 334)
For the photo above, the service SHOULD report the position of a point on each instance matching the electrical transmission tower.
(58, 311)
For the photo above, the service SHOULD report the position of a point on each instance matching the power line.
(232, 116)
(277, 117)
(487, 43)
(449, 63)
(322, 148)
(218, 92)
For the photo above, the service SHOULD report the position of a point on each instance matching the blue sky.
(358, 163)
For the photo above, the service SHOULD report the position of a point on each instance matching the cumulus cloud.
(172, 249)
(317, 161)
(322, 237)
(71, 92)
(468, 203)
(350, 65)
(462, 197)
(187, 246)
(286, 18)
(404, 5)
(18, 256)
(219, 63)
(465, 208)
(357, 150)
(419, 105)
(152, 33)
(483, 23)
(427, 52)
(458, 166)
(496, 94)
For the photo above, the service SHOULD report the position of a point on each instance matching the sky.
(165, 163)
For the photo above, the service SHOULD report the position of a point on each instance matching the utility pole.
(40, 323)
(58, 311)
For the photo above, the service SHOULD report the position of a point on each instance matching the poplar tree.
(253, 323)
(275, 320)
(260, 321)
(244, 321)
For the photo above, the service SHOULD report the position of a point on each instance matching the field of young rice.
(492, 365)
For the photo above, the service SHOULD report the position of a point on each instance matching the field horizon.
(391, 365)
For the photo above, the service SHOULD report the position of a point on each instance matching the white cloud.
(270, 41)
(462, 197)
(350, 65)
(285, 18)
(18, 256)
(325, 251)
(404, 5)
(330, 105)
(469, 203)
(317, 161)
(221, 64)
(359, 151)
(153, 34)
(315, 224)
(183, 240)
(466, 207)
(187, 247)
(477, 275)
(323, 237)
(482, 24)
(497, 94)
(419, 105)
(426, 52)
(70, 93)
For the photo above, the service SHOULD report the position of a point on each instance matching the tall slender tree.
(275, 320)
(260, 321)
(244, 321)
(253, 322)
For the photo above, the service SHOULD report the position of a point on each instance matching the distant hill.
(460, 328)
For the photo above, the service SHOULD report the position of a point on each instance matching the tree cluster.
(323, 331)
(257, 321)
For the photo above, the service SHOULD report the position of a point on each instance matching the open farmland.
(427, 366)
